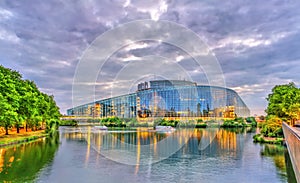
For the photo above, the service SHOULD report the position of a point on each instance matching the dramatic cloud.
(257, 43)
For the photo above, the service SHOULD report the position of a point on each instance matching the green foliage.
(22, 103)
(113, 122)
(259, 138)
(240, 120)
(164, 122)
(252, 121)
(271, 150)
(94, 120)
(28, 159)
(157, 121)
(132, 123)
(176, 123)
(284, 102)
(122, 123)
(201, 125)
(283, 105)
(272, 127)
(187, 124)
(240, 123)
(68, 123)
(236, 123)
(199, 120)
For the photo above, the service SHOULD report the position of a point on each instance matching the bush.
(94, 120)
(272, 127)
(201, 125)
(132, 123)
(259, 138)
(164, 122)
(199, 121)
(68, 123)
(252, 121)
(236, 123)
(113, 122)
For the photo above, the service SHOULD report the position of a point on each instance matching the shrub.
(68, 123)
(272, 127)
(201, 125)
(237, 122)
(132, 123)
(252, 121)
(199, 120)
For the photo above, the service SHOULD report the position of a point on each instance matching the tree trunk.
(293, 122)
(18, 128)
(6, 130)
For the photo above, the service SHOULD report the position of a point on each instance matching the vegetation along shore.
(25, 112)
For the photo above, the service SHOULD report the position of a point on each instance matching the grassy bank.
(259, 138)
(270, 131)
(15, 138)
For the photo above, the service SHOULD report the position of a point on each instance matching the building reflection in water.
(144, 147)
(88, 140)
(138, 154)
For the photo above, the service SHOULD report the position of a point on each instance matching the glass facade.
(168, 98)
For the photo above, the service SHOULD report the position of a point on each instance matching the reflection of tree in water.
(281, 159)
(289, 168)
(276, 153)
(144, 137)
(22, 163)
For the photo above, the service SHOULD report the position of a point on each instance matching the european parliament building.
(168, 98)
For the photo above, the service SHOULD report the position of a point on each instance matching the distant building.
(168, 98)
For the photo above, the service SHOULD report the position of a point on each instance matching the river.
(187, 155)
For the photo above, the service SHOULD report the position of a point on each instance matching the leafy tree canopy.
(21, 103)
(284, 102)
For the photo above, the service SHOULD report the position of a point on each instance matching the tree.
(21, 101)
(7, 114)
(21, 89)
(284, 102)
(9, 97)
(28, 106)
(52, 113)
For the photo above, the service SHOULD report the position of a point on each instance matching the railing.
(292, 139)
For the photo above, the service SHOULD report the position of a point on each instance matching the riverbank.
(23, 136)
(259, 138)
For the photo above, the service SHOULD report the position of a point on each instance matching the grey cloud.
(47, 39)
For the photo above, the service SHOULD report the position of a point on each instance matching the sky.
(255, 43)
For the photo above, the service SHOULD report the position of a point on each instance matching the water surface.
(83, 155)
